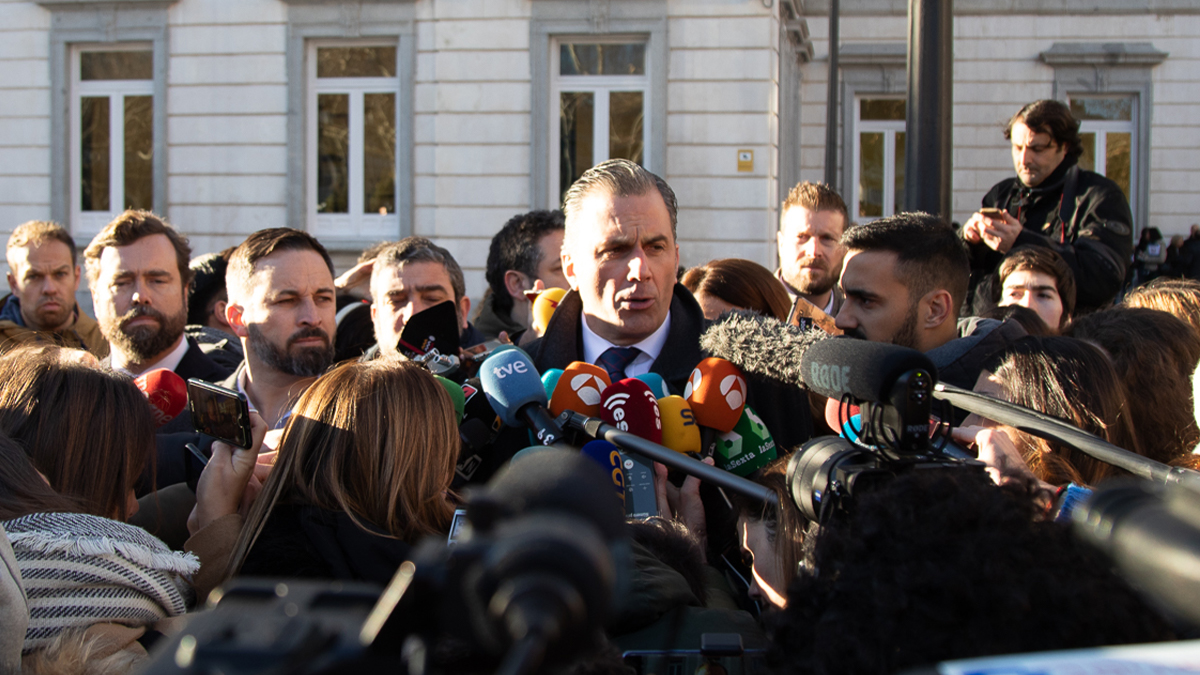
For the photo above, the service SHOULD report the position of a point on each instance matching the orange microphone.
(544, 306)
(716, 391)
(579, 389)
(680, 432)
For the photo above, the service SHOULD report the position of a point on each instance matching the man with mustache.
(43, 274)
(811, 223)
(282, 305)
(137, 268)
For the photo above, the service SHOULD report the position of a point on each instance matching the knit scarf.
(80, 570)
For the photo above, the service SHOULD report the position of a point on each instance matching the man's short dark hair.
(516, 247)
(420, 249)
(1046, 261)
(620, 178)
(929, 253)
(130, 227)
(208, 284)
(1053, 118)
(264, 243)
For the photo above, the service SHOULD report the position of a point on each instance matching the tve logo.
(500, 372)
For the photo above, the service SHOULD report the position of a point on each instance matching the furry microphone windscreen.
(760, 345)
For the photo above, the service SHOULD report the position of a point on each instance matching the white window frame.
(888, 128)
(596, 84)
(88, 223)
(1104, 127)
(355, 224)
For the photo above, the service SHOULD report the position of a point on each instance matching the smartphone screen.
(221, 413)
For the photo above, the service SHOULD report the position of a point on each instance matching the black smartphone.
(221, 413)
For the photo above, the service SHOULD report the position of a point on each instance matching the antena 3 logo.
(504, 371)
(836, 378)
(588, 387)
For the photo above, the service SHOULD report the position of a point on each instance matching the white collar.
(651, 347)
(170, 361)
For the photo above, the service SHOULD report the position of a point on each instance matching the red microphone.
(629, 405)
(580, 388)
(166, 392)
(716, 391)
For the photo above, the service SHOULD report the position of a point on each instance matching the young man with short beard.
(283, 307)
(811, 222)
(137, 269)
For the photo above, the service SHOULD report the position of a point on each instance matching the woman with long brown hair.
(733, 283)
(364, 470)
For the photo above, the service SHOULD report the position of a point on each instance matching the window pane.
(139, 152)
(116, 66)
(94, 152)
(356, 62)
(1103, 108)
(333, 153)
(1087, 161)
(379, 153)
(881, 109)
(1117, 162)
(579, 59)
(870, 175)
(898, 183)
(577, 110)
(625, 125)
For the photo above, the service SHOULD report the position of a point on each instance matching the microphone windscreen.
(629, 405)
(166, 392)
(716, 391)
(550, 380)
(531, 450)
(608, 457)
(656, 384)
(761, 345)
(579, 389)
(680, 431)
(457, 399)
(511, 382)
(747, 448)
(544, 306)
(477, 406)
(864, 370)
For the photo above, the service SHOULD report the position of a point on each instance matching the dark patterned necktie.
(616, 359)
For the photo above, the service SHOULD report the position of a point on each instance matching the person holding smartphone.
(1053, 203)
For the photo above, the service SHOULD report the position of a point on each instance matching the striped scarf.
(80, 570)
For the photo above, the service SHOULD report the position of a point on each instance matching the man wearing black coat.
(1080, 214)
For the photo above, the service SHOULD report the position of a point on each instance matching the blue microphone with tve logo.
(513, 387)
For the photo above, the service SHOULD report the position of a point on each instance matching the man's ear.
(75, 288)
(569, 269)
(219, 311)
(233, 316)
(939, 308)
(464, 311)
(12, 282)
(515, 283)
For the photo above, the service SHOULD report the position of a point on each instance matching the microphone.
(608, 456)
(544, 306)
(550, 380)
(166, 392)
(747, 448)
(761, 345)
(656, 384)
(629, 405)
(716, 392)
(457, 398)
(681, 433)
(515, 392)
(579, 388)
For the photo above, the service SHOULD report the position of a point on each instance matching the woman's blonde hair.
(376, 441)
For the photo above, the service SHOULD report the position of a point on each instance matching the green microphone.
(746, 449)
(457, 399)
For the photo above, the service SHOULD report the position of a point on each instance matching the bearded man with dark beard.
(137, 269)
(811, 222)
(282, 305)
